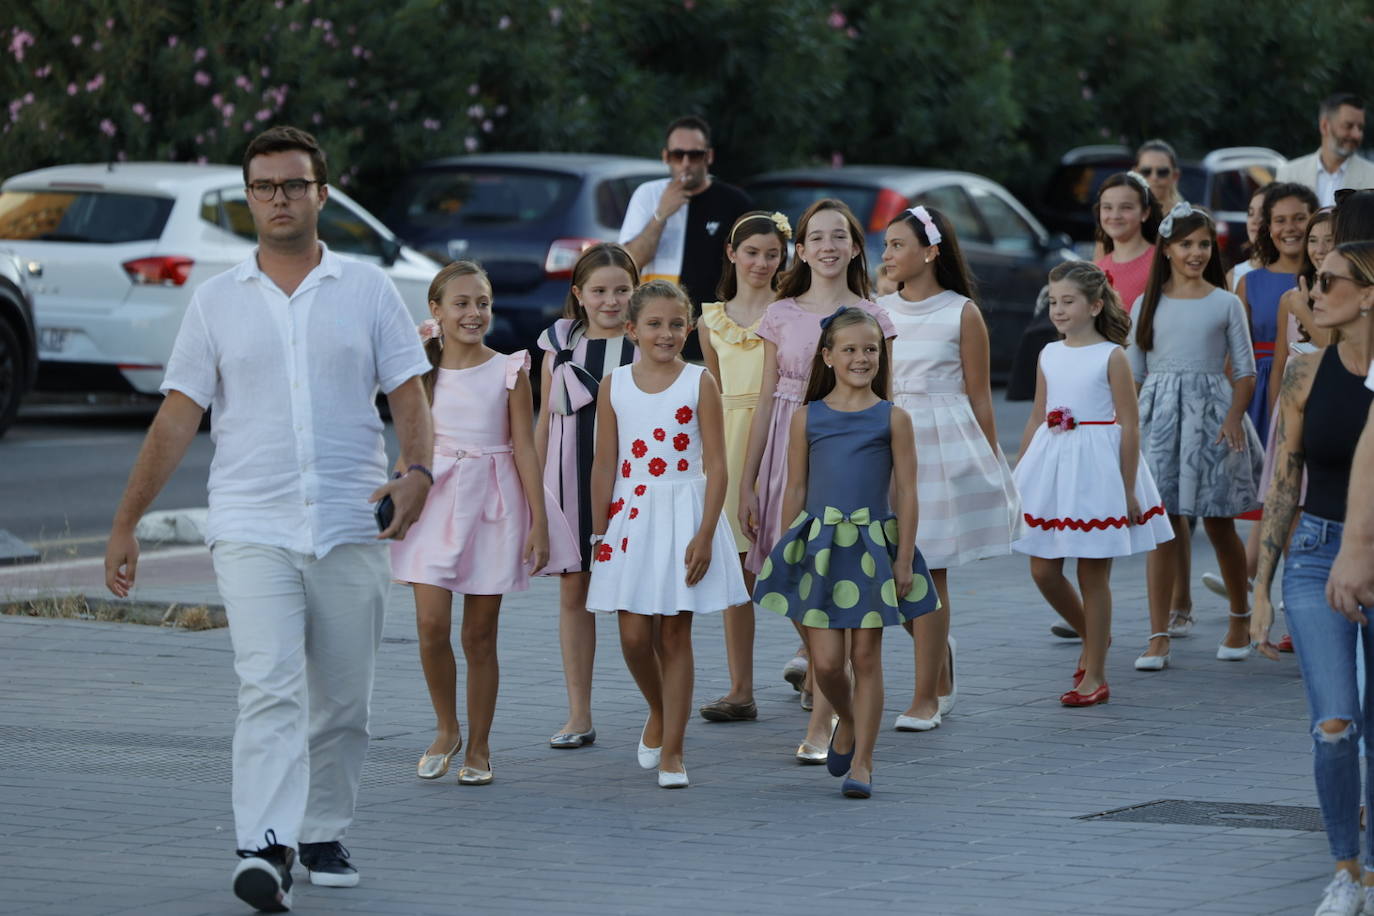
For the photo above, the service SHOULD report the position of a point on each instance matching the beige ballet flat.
(432, 766)
(471, 776)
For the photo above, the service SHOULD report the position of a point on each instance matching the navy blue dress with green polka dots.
(832, 568)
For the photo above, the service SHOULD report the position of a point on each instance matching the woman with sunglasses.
(1321, 408)
(1157, 161)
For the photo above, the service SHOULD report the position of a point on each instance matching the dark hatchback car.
(18, 337)
(525, 216)
(1007, 249)
(1223, 182)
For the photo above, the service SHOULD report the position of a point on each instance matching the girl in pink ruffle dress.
(484, 529)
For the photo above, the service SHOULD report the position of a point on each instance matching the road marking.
(170, 554)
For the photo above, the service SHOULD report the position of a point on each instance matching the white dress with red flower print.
(1072, 493)
(656, 508)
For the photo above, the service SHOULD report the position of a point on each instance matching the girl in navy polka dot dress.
(848, 566)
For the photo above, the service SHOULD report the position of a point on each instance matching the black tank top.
(1331, 426)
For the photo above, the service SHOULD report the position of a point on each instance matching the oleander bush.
(999, 88)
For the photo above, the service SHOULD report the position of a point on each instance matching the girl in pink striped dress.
(969, 506)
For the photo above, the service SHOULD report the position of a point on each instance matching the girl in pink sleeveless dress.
(484, 529)
(829, 271)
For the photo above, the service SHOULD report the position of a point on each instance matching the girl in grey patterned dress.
(1195, 435)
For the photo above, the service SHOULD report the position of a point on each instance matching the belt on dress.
(1061, 419)
(1264, 348)
(790, 388)
(739, 401)
(930, 386)
(494, 503)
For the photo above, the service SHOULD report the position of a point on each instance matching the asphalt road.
(64, 464)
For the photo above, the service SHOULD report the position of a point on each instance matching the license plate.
(53, 340)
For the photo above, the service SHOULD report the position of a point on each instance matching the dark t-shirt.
(710, 216)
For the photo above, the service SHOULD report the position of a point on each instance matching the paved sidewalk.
(114, 778)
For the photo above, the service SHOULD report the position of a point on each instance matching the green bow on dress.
(833, 516)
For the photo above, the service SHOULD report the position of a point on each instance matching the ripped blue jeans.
(1327, 646)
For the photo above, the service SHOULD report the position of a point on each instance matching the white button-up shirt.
(1328, 183)
(293, 381)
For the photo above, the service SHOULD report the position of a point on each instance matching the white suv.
(113, 253)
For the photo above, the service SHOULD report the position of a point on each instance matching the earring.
(928, 260)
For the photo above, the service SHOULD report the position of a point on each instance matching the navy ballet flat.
(835, 762)
(852, 788)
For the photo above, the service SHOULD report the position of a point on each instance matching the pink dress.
(1129, 278)
(471, 534)
(795, 332)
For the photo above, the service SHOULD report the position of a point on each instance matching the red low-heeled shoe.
(1285, 644)
(1073, 698)
(1078, 675)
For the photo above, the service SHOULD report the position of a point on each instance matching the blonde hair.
(658, 289)
(1092, 281)
(434, 348)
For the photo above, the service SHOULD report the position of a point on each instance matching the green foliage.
(993, 87)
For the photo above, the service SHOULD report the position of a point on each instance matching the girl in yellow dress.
(755, 253)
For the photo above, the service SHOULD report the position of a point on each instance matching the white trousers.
(305, 633)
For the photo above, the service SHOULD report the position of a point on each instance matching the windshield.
(468, 197)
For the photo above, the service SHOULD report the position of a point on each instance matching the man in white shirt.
(1336, 164)
(290, 348)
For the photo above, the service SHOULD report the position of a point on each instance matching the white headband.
(933, 236)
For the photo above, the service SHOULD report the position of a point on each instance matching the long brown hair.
(797, 280)
(1281, 190)
(603, 254)
(1112, 322)
(1160, 271)
(1149, 229)
(951, 271)
(756, 222)
(822, 380)
(434, 348)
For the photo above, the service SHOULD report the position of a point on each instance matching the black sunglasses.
(694, 155)
(1342, 193)
(1325, 279)
(1162, 171)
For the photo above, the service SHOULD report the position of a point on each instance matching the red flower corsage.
(640, 490)
(681, 441)
(657, 466)
(616, 507)
(603, 552)
(634, 512)
(660, 435)
(638, 448)
(624, 469)
(682, 464)
(1060, 420)
(683, 415)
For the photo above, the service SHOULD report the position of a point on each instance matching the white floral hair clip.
(933, 236)
(780, 220)
(430, 330)
(1181, 209)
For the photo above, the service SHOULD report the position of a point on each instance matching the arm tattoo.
(1285, 488)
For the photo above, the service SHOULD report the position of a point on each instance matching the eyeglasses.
(293, 188)
(1325, 279)
(1162, 171)
(692, 155)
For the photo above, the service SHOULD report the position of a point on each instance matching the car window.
(82, 216)
(1009, 231)
(467, 197)
(340, 228)
(1074, 187)
(613, 198)
(1233, 188)
(792, 198)
(958, 209)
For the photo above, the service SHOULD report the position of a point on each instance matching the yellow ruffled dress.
(739, 351)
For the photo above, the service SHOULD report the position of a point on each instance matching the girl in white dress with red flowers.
(1085, 489)
(662, 551)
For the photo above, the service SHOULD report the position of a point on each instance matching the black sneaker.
(263, 879)
(328, 864)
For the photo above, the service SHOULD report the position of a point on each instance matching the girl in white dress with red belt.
(1085, 489)
(662, 551)
(940, 369)
(485, 528)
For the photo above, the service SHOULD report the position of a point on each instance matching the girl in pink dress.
(581, 350)
(1127, 218)
(484, 529)
(829, 271)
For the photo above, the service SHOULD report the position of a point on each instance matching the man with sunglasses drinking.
(675, 227)
(1336, 164)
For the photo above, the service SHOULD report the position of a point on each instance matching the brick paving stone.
(114, 779)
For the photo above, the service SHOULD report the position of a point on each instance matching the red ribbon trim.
(1100, 524)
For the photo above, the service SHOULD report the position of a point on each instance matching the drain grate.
(1215, 814)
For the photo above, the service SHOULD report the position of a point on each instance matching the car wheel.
(11, 376)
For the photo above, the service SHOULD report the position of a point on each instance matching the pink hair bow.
(933, 236)
(430, 330)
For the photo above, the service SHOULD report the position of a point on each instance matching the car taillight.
(563, 254)
(161, 271)
(1223, 233)
(885, 208)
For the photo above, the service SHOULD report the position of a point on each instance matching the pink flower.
(201, 160)
(503, 23)
(43, 71)
(217, 100)
(107, 127)
(265, 72)
(431, 124)
(95, 83)
(357, 50)
(555, 15)
(172, 41)
(109, 24)
(836, 19)
(71, 89)
(1060, 420)
(200, 138)
(202, 78)
(227, 111)
(28, 98)
(20, 40)
(837, 160)
(473, 89)
(487, 126)
(476, 111)
(243, 82)
(470, 144)
(76, 41)
(199, 55)
(263, 114)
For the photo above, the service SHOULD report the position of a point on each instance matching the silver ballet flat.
(810, 755)
(573, 739)
(432, 766)
(471, 776)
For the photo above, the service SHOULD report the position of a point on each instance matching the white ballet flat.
(1227, 654)
(667, 780)
(947, 701)
(906, 723)
(1153, 662)
(648, 756)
